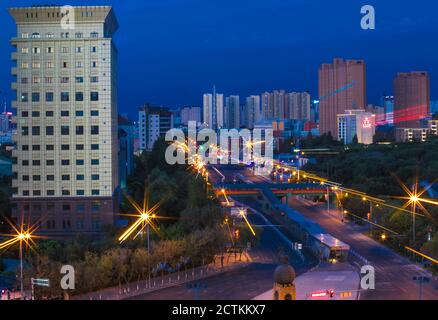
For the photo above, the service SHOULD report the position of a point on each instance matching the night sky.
(172, 51)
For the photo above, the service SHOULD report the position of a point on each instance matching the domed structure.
(284, 274)
(284, 277)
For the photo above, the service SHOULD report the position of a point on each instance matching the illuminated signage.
(366, 124)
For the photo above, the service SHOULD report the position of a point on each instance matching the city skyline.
(323, 197)
(191, 68)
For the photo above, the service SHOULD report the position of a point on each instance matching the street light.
(22, 235)
(414, 202)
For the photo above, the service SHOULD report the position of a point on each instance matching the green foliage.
(431, 247)
(375, 170)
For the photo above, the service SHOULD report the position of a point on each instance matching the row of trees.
(122, 265)
(376, 170)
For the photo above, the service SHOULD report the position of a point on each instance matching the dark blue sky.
(172, 51)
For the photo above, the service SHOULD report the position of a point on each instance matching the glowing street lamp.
(414, 203)
(24, 235)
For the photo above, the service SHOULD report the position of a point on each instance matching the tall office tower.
(126, 130)
(208, 110)
(299, 106)
(280, 102)
(253, 113)
(315, 111)
(232, 105)
(219, 110)
(411, 99)
(66, 163)
(154, 122)
(387, 103)
(342, 87)
(213, 110)
(267, 105)
(191, 114)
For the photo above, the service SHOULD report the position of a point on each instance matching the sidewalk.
(133, 289)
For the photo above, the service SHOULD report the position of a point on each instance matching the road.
(394, 273)
(242, 284)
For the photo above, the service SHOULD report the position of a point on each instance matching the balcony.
(14, 71)
(14, 86)
(14, 56)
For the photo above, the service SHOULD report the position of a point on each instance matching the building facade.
(411, 99)
(126, 133)
(253, 112)
(232, 112)
(342, 86)
(299, 106)
(388, 105)
(153, 122)
(65, 161)
(356, 123)
(213, 110)
(191, 114)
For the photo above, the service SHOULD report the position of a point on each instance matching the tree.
(355, 139)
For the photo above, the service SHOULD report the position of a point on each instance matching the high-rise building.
(213, 110)
(314, 111)
(356, 123)
(267, 105)
(411, 99)
(280, 103)
(232, 105)
(342, 87)
(275, 105)
(253, 113)
(299, 106)
(126, 132)
(191, 114)
(153, 122)
(65, 164)
(5, 122)
(388, 106)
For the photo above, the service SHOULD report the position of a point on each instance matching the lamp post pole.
(21, 270)
(413, 220)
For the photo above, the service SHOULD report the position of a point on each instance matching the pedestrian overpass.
(277, 189)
